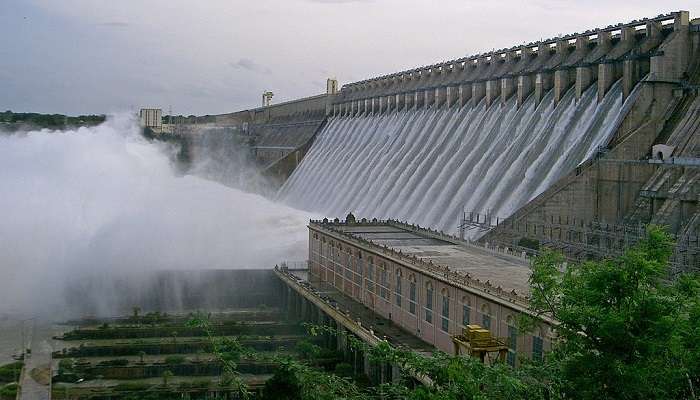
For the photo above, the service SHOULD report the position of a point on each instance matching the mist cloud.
(103, 200)
(250, 65)
(114, 24)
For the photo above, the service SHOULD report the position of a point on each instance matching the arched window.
(384, 282)
(486, 316)
(370, 275)
(412, 294)
(445, 320)
(359, 268)
(397, 287)
(466, 310)
(537, 345)
(429, 303)
(512, 340)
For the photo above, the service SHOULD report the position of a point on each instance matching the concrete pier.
(428, 98)
(607, 75)
(493, 90)
(508, 87)
(465, 94)
(478, 91)
(409, 100)
(630, 51)
(543, 82)
(451, 95)
(584, 78)
(399, 102)
(562, 83)
(440, 96)
(525, 87)
(418, 99)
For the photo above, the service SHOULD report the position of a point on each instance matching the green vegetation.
(50, 121)
(66, 365)
(176, 359)
(626, 332)
(167, 374)
(117, 362)
(9, 380)
(106, 331)
(9, 391)
(10, 372)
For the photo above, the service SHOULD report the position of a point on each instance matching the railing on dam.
(652, 47)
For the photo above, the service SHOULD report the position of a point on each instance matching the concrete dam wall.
(601, 56)
(491, 132)
(425, 165)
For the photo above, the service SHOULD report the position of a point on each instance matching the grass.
(9, 373)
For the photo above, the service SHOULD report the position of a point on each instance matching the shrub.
(119, 362)
(10, 372)
(343, 369)
(9, 391)
(175, 359)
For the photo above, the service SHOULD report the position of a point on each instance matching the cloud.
(114, 24)
(340, 1)
(250, 65)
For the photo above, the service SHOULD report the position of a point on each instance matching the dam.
(429, 195)
(563, 129)
(486, 133)
(574, 142)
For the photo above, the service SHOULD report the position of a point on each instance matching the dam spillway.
(426, 165)
(498, 133)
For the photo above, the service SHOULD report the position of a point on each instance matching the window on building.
(384, 283)
(398, 288)
(412, 297)
(486, 316)
(537, 345)
(359, 269)
(429, 303)
(445, 325)
(466, 311)
(370, 275)
(512, 344)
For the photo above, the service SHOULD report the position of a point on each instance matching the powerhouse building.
(429, 284)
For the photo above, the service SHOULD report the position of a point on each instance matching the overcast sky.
(216, 56)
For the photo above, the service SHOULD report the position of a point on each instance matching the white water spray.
(425, 166)
(103, 200)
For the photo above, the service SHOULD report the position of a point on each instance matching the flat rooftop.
(509, 272)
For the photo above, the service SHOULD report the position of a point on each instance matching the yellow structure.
(476, 341)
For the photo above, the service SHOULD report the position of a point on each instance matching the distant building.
(267, 98)
(152, 118)
(331, 86)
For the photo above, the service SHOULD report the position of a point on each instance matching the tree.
(141, 355)
(167, 374)
(625, 331)
(283, 385)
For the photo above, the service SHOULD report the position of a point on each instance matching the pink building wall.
(372, 279)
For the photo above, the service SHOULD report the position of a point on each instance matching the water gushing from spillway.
(427, 165)
(90, 213)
